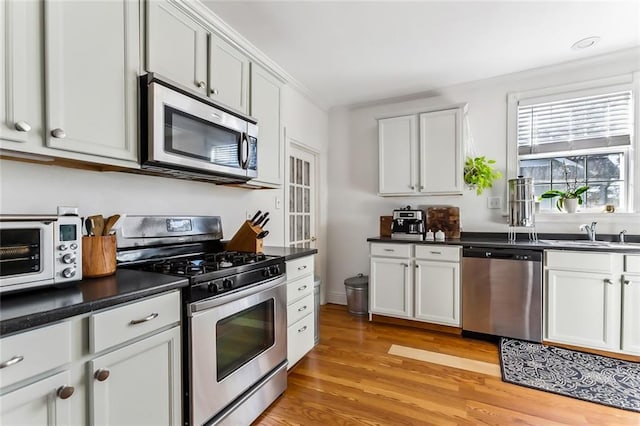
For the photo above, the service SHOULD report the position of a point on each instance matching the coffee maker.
(408, 224)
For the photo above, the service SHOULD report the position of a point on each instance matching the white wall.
(39, 188)
(355, 208)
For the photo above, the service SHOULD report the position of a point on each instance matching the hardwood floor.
(350, 378)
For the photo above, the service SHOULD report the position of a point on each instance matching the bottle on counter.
(439, 236)
(428, 236)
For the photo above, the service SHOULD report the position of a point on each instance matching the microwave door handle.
(244, 151)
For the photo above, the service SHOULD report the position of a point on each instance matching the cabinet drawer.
(299, 309)
(117, 325)
(438, 252)
(579, 261)
(300, 339)
(33, 352)
(299, 267)
(632, 263)
(391, 250)
(299, 288)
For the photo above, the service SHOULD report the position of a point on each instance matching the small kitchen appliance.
(408, 224)
(521, 207)
(235, 343)
(185, 135)
(38, 251)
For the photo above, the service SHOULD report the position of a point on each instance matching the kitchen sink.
(594, 244)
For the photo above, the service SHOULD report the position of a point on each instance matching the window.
(584, 140)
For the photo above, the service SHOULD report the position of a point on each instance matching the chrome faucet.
(591, 230)
(621, 235)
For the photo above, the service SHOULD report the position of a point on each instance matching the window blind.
(575, 124)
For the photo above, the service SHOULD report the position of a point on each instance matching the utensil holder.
(98, 256)
(245, 239)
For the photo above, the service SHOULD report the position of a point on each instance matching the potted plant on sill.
(479, 173)
(571, 198)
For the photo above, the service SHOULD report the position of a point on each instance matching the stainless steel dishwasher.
(502, 292)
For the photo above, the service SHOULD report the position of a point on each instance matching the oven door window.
(196, 138)
(243, 336)
(19, 251)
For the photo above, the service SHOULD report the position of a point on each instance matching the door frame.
(293, 143)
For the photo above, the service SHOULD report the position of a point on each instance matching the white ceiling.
(348, 52)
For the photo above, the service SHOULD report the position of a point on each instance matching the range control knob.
(212, 288)
(227, 283)
(266, 272)
(68, 258)
(275, 270)
(68, 272)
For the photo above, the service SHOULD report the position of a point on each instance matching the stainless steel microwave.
(185, 135)
(38, 251)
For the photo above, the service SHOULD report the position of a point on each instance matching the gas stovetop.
(227, 261)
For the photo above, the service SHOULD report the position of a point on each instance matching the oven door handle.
(237, 295)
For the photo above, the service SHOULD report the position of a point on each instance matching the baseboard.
(337, 297)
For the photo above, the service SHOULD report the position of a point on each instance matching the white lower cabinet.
(138, 384)
(52, 376)
(300, 309)
(391, 287)
(419, 282)
(39, 403)
(595, 309)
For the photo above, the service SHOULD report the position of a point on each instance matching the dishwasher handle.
(500, 253)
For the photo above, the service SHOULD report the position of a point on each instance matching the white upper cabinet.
(228, 75)
(176, 46)
(421, 154)
(441, 152)
(21, 109)
(265, 107)
(398, 148)
(91, 67)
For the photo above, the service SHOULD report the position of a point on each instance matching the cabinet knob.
(102, 374)
(58, 133)
(627, 282)
(200, 84)
(608, 281)
(412, 186)
(22, 126)
(65, 391)
(214, 91)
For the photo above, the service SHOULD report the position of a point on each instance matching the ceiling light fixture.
(585, 43)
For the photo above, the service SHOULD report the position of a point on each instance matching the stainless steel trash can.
(357, 289)
(316, 299)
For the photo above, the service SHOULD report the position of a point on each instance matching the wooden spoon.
(108, 225)
(98, 224)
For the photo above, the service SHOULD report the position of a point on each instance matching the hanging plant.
(479, 173)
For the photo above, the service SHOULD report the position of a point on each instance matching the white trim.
(415, 111)
(337, 297)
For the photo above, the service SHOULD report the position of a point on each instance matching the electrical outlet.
(494, 202)
(248, 214)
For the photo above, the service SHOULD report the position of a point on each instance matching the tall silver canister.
(521, 202)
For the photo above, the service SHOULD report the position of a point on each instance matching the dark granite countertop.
(289, 253)
(545, 242)
(24, 310)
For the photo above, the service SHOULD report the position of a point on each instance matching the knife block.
(245, 239)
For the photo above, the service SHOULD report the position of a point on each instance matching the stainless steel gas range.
(234, 344)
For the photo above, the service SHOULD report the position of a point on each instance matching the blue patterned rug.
(593, 378)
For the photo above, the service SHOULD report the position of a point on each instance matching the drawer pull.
(389, 250)
(65, 391)
(300, 330)
(140, 321)
(102, 374)
(302, 308)
(300, 268)
(302, 287)
(435, 252)
(12, 361)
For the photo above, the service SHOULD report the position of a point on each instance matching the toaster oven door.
(26, 254)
